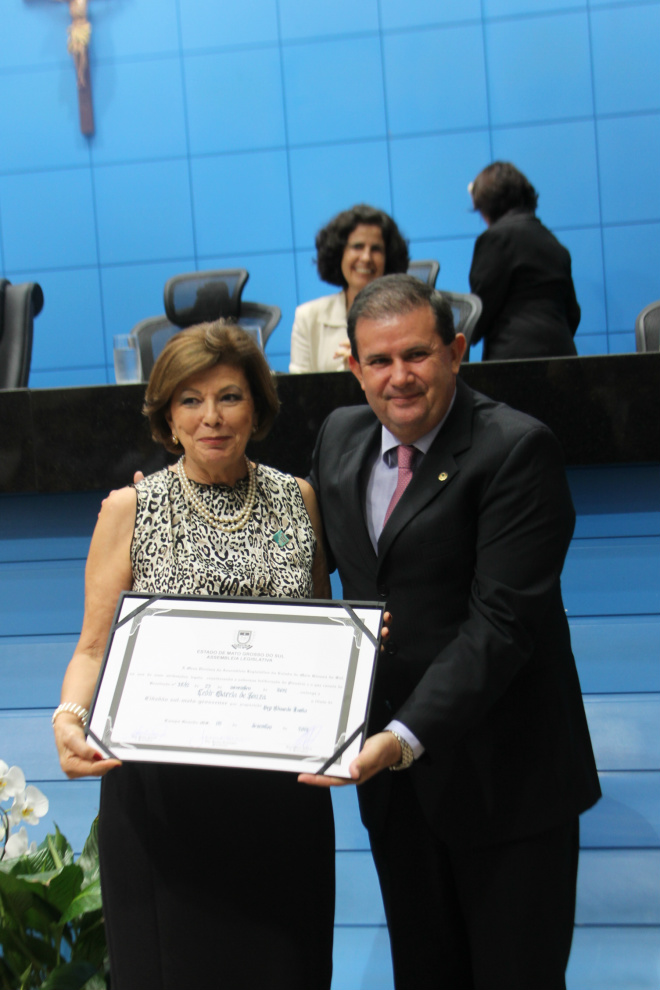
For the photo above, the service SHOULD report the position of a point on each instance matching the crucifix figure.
(79, 32)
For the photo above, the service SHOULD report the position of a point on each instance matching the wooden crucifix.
(79, 33)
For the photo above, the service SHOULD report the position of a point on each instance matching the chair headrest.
(26, 294)
(199, 297)
(37, 299)
(3, 283)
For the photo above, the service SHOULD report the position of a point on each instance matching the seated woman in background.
(357, 246)
(241, 894)
(520, 271)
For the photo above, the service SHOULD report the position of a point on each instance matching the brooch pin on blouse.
(283, 531)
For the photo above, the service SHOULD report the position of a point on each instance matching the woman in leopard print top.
(251, 904)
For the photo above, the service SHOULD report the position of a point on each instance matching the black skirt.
(216, 878)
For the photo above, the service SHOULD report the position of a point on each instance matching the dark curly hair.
(331, 241)
(500, 187)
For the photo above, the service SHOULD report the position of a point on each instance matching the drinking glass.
(127, 359)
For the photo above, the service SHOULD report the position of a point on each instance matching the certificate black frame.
(152, 605)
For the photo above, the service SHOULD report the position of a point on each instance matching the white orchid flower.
(17, 844)
(28, 807)
(12, 781)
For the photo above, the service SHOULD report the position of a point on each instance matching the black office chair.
(201, 296)
(425, 271)
(19, 304)
(198, 297)
(466, 308)
(647, 328)
(259, 319)
(152, 334)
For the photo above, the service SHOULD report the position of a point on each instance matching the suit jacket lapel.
(351, 467)
(335, 315)
(437, 469)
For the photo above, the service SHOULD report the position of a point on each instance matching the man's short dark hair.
(332, 239)
(396, 295)
(501, 187)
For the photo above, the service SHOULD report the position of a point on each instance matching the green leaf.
(89, 857)
(21, 950)
(90, 943)
(7, 976)
(30, 863)
(53, 853)
(87, 900)
(39, 951)
(71, 976)
(49, 903)
(58, 847)
(97, 982)
(16, 895)
(90, 854)
(65, 887)
(42, 878)
(25, 905)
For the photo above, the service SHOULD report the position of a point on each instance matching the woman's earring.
(175, 440)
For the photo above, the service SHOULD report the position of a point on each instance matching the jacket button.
(383, 593)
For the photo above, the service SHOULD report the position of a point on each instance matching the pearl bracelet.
(77, 710)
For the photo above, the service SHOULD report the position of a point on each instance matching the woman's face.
(214, 416)
(364, 256)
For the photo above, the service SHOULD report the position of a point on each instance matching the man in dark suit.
(455, 510)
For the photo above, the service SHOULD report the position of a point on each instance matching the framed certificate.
(280, 684)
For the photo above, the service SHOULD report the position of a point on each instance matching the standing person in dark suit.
(477, 699)
(520, 271)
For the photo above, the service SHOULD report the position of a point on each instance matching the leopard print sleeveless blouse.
(175, 551)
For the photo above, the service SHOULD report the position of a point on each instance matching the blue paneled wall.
(227, 133)
(611, 587)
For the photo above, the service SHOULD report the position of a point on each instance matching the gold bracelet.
(77, 710)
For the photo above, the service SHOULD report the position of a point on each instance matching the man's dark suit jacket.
(479, 663)
(522, 275)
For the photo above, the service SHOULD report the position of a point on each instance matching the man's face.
(406, 371)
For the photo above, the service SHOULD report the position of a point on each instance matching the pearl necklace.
(226, 524)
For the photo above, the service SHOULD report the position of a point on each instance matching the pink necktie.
(404, 454)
